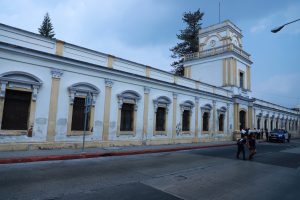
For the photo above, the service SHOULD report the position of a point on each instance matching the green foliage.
(189, 38)
(46, 28)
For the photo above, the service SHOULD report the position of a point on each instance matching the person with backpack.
(240, 144)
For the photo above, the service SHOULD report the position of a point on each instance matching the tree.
(46, 28)
(189, 37)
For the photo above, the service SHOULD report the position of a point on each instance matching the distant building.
(45, 83)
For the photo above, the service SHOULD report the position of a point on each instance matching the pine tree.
(189, 37)
(46, 28)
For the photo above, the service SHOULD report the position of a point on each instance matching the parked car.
(279, 135)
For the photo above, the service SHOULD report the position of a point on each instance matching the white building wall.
(42, 102)
(154, 94)
(77, 53)
(117, 88)
(208, 72)
(68, 79)
(26, 39)
(73, 72)
(181, 99)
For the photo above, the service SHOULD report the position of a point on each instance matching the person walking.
(267, 134)
(252, 146)
(240, 145)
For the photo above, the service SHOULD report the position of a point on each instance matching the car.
(279, 135)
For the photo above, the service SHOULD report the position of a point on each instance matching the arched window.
(82, 96)
(221, 122)
(128, 105)
(186, 109)
(221, 117)
(205, 121)
(18, 92)
(205, 110)
(161, 108)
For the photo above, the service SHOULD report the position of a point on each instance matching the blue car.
(279, 135)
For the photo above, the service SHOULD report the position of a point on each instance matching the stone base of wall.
(18, 146)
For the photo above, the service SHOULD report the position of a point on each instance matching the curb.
(106, 154)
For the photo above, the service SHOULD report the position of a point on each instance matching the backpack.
(240, 142)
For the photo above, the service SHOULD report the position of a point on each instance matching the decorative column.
(250, 116)
(174, 115)
(236, 117)
(108, 86)
(196, 139)
(56, 75)
(146, 108)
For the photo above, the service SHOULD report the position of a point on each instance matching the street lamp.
(275, 30)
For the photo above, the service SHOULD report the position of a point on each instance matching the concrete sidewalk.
(66, 154)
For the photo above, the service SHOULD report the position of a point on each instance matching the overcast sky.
(144, 30)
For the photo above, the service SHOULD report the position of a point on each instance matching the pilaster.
(236, 117)
(174, 115)
(196, 119)
(59, 47)
(214, 117)
(108, 86)
(56, 75)
(146, 109)
(110, 61)
(250, 117)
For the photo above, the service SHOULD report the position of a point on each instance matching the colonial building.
(45, 84)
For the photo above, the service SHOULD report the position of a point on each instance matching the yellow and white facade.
(49, 79)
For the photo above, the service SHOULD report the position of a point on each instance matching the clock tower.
(221, 60)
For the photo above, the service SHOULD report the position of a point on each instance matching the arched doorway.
(266, 124)
(258, 124)
(271, 124)
(242, 119)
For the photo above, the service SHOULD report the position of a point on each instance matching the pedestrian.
(240, 147)
(252, 146)
(242, 132)
(267, 134)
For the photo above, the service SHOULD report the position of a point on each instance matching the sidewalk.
(66, 154)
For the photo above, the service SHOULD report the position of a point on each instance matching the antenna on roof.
(219, 11)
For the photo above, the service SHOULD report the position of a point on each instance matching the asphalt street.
(212, 173)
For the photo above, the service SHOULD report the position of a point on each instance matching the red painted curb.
(95, 155)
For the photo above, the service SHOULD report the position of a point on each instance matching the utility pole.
(219, 12)
(87, 108)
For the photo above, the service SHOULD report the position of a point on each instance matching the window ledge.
(205, 132)
(78, 133)
(162, 133)
(13, 132)
(186, 132)
(130, 133)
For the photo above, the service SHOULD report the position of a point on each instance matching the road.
(212, 173)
